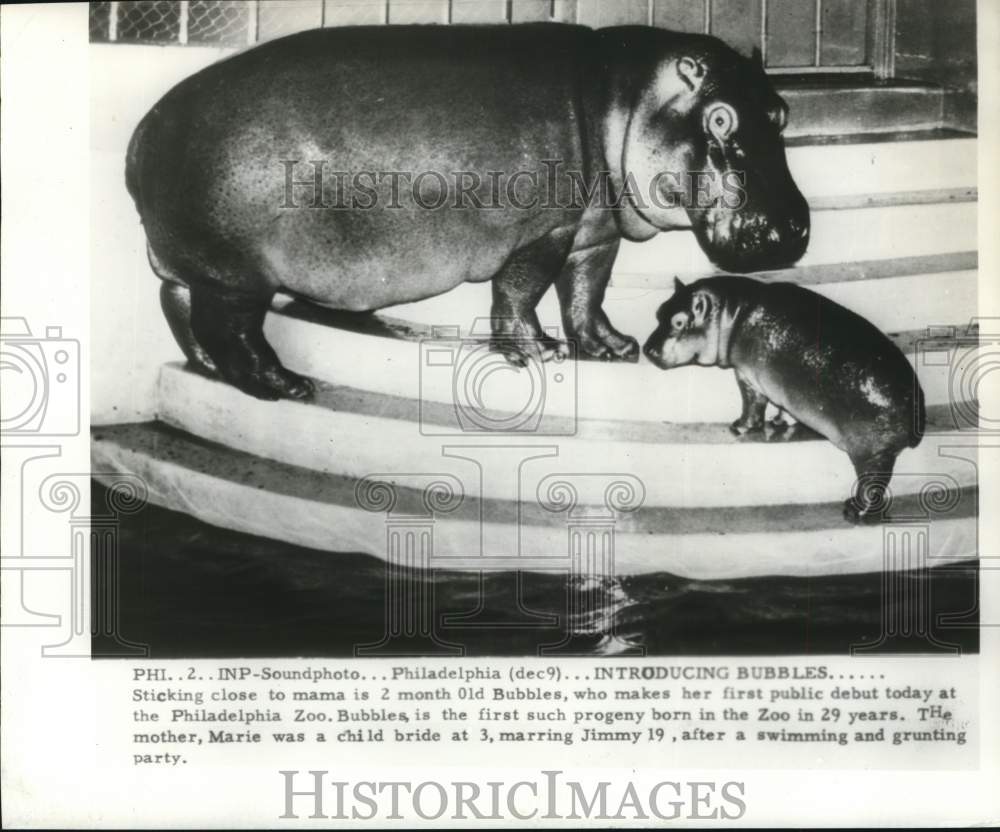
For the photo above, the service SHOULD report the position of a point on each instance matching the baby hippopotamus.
(825, 366)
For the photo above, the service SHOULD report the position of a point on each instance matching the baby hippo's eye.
(678, 321)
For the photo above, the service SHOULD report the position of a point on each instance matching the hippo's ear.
(701, 304)
(678, 286)
(691, 72)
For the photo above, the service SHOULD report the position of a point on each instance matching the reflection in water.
(193, 590)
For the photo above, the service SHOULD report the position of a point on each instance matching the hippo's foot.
(267, 380)
(744, 426)
(520, 351)
(779, 433)
(273, 384)
(859, 515)
(785, 432)
(600, 341)
(871, 498)
(783, 420)
(228, 326)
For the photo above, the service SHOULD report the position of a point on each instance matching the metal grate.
(794, 36)
(218, 21)
(152, 21)
(100, 20)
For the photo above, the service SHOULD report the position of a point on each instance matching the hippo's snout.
(651, 349)
(751, 240)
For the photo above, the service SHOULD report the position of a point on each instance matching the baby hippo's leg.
(784, 427)
(754, 405)
(783, 420)
(869, 502)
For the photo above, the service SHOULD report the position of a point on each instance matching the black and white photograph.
(586, 327)
(463, 386)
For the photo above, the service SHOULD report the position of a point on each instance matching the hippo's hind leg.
(783, 420)
(754, 406)
(869, 502)
(175, 300)
(783, 427)
(229, 325)
(517, 288)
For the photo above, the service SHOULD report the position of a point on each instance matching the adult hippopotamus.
(363, 167)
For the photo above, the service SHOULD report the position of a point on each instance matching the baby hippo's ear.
(701, 305)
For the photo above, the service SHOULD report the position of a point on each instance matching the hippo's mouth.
(654, 349)
(656, 358)
(748, 241)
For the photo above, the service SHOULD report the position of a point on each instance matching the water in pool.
(191, 590)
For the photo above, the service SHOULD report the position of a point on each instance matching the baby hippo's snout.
(688, 331)
(653, 350)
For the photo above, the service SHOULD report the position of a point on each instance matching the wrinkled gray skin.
(827, 367)
(205, 170)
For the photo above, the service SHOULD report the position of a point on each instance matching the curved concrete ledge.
(827, 169)
(245, 493)
(819, 274)
(888, 294)
(355, 433)
(883, 232)
(350, 350)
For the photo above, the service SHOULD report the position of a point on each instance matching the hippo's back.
(838, 369)
(209, 166)
(376, 94)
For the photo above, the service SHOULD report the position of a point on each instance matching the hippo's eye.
(679, 321)
(721, 121)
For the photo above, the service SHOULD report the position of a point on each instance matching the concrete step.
(834, 173)
(356, 433)
(458, 529)
(860, 107)
(381, 354)
(837, 237)
(895, 295)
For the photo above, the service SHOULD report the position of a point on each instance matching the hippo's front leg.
(581, 286)
(754, 406)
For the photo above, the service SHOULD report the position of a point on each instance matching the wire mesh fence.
(793, 35)
(155, 21)
(218, 21)
(100, 20)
